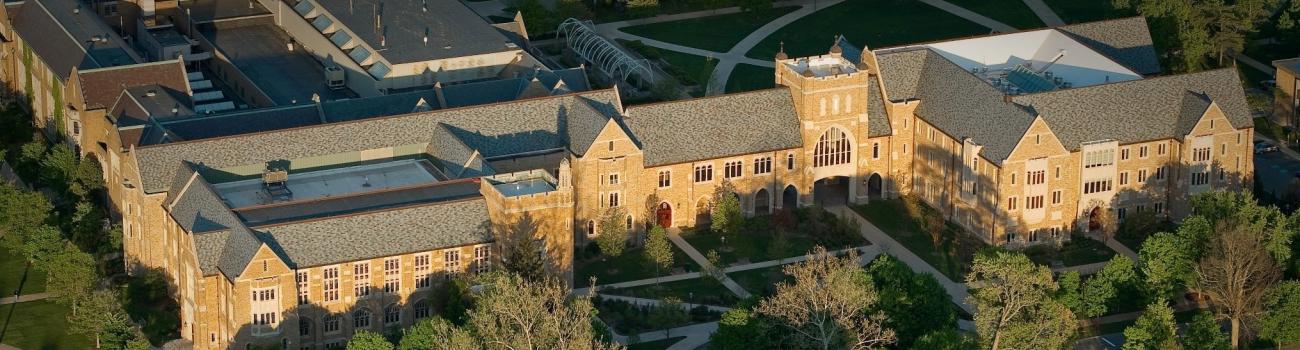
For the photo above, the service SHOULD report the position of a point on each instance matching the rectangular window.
(1142, 152)
(665, 178)
(1160, 173)
(1142, 176)
(763, 165)
(613, 199)
(613, 179)
(361, 279)
(1121, 213)
(1123, 178)
(1036, 177)
(789, 161)
(1201, 154)
(1013, 178)
(732, 169)
(1011, 203)
(1099, 158)
(423, 267)
(1034, 202)
(482, 259)
(1123, 154)
(451, 262)
(1058, 173)
(304, 287)
(1200, 178)
(1056, 197)
(1223, 149)
(331, 283)
(1160, 207)
(392, 275)
(704, 173)
(1096, 186)
(1160, 149)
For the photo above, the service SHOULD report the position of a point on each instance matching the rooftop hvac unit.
(334, 77)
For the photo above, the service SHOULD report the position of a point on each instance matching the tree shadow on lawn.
(782, 235)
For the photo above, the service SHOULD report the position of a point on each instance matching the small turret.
(780, 54)
(564, 178)
(836, 50)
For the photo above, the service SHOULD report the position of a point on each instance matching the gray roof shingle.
(454, 157)
(380, 233)
(1125, 40)
(714, 127)
(877, 118)
(498, 129)
(1165, 107)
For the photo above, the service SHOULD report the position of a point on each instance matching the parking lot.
(1276, 171)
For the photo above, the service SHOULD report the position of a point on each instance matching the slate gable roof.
(877, 118)
(48, 40)
(715, 127)
(1161, 105)
(1125, 40)
(199, 210)
(456, 159)
(102, 87)
(498, 129)
(380, 233)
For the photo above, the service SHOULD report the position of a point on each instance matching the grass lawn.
(655, 345)
(866, 22)
(747, 77)
(1077, 251)
(39, 325)
(1012, 12)
(956, 251)
(630, 266)
(1076, 11)
(714, 33)
(757, 242)
(760, 282)
(12, 269)
(702, 290)
(697, 69)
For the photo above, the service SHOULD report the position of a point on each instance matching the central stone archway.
(875, 186)
(762, 202)
(831, 191)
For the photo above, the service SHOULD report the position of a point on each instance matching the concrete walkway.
(1044, 13)
(24, 298)
(1118, 247)
(970, 15)
(656, 302)
(956, 291)
(1253, 63)
(675, 236)
(696, 335)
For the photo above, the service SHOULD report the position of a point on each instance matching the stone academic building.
(298, 225)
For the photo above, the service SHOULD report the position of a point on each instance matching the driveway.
(1276, 171)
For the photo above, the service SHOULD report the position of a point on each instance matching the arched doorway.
(762, 202)
(831, 191)
(1094, 219)
(874, 186)
(664, 215)
(789, 198)
(702, 216)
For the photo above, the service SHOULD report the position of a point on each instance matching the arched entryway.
(1094, 219)
(831, 191)
(789, 198)
(702, 215)
(664, 215)
(762, 202)
(875, 186)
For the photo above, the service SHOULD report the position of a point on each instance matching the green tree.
(1279, 324)
(945, 339)
(725, 211)
(367, 340)
(1014, 305)
(1154, 330)
(71, 276)
(513, 313)
(1167, 262)
(1236, 273)
(520, 250)
(611, 233)
(658, 250)
(435, 333)
(828, 304)
(670, 313)
(456, 301)
(42, 245)
(1203, 29)
(1092, 297)
(914, 304)
(21, 211)
(101, 316)
(743, 329)
(29, 159)
(1203, 333)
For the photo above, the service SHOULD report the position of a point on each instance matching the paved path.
(24, 298)
(956, 291)
(696, 335)
(674, 235)
(1118, 247)
(8, 347)
(656, 302)
(1280, 147)
(1253, 63)
(1086, 269)
(1044, 13)
(970, 15)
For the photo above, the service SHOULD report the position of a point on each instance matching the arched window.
(392, 314)
(629, 222)
(421, 309)
(331, 324)
(591, 228)
(361, 319)
(304, 326)
(833, 148)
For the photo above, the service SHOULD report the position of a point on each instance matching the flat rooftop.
(338, 182)
(822, 66)
(1291, 64)
(204, 11)
(1033, 61)
(261, 50)
(452, 29)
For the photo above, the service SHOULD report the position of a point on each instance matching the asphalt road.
(1276, 171)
